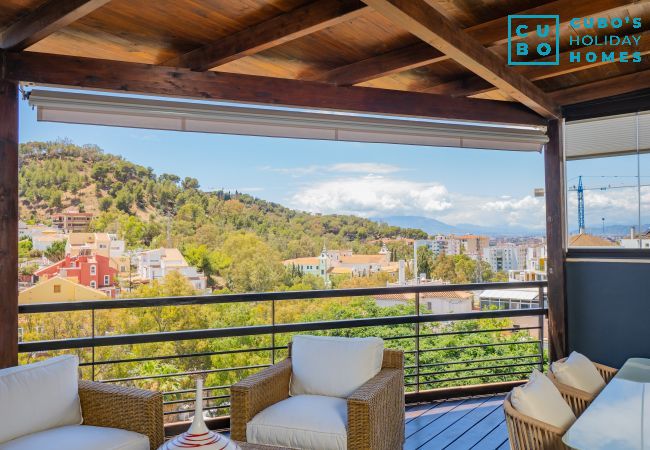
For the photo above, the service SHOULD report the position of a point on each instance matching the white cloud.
(377, 196)
(373, 195)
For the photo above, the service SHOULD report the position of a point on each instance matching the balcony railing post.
(273, 331)
(417, 343)
(92, 332)
(540, 319)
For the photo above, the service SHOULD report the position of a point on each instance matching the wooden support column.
(8, 224)
(555, 239)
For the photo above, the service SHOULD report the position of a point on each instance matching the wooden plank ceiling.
(454, 48)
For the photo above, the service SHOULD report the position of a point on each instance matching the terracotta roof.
(314, 260)
(589, 240)
(363, 259)
(447, 294)
(341, 270)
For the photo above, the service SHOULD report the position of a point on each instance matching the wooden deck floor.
(462, 424)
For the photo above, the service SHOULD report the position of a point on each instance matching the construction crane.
(580, 190)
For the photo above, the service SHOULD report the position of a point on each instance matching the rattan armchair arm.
(526, 433)
(376, 412)
(255, 393)
(110, 405)
(606, 372)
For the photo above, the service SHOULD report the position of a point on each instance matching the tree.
(24, 248)
(210, 262)
(425, 261)
(105, 203)
(190, 183)
(255, 266)
(56, 251)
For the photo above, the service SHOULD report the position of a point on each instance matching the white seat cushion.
(579, 372)
(80, 437)
(309, 422)
(37, 397)
(333, 366)
(541, 400)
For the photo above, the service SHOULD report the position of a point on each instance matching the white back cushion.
(579, 372)
(39, 396)
(541, 400)
(333, 366)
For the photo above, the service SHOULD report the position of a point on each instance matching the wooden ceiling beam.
(77, 72)
(300, 22)
(490, 33)
(45, 20)
(475, 85)
(420, 19)
(608, 87)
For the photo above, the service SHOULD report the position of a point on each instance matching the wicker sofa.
(138, 410)
(375, 411)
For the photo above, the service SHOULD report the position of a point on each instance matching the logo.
(534, 40)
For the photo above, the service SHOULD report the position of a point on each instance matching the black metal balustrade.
(420, 376)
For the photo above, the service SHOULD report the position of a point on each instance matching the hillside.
(150, 210)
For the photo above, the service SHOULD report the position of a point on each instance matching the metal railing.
(425, 369)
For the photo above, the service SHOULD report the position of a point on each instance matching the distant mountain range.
(613, 230)
(433, 226)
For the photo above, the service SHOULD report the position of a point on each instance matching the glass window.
(607, 189)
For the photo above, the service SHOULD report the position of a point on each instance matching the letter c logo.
(520, 33)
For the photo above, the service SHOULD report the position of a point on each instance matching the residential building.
(524, 298)
(72, 220)
(87, 269)
(473, 244)
(43, 239)
(633, 240)
(103, 244)
(156, 264)
(344, 262)
(502, 257)
(431, 302)
(59, 289)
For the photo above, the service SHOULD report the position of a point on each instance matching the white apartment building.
(103, 244)
(156, 264)
(502, 257)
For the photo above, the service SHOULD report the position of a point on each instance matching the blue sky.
(453, 185)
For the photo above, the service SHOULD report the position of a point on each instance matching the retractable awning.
(135, 112)
(607, 136)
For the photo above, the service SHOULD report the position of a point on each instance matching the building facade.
(72, 220)
(156, 264)
(93, 271)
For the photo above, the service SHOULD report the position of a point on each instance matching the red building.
(89, 270)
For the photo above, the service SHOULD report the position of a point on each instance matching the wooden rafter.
(159, 80)
(420, 19)
(490, 33)
(474, 85)
(45, 20)
(278, 30)
(608, 87)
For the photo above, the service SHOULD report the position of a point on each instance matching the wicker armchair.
(108, 405)
(576, 398)
(375, 410)
(526, 433)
